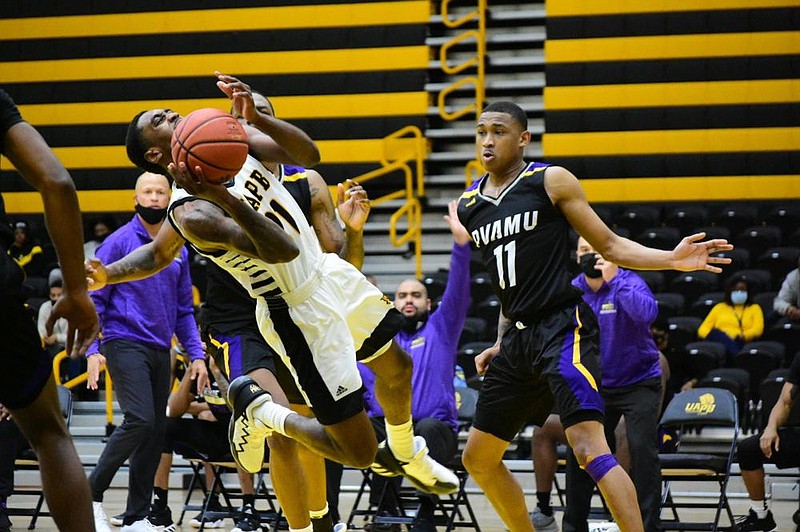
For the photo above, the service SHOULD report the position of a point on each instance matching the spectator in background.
(735, 321)
(26, 252)
(56, 341)
(101, 228)
(787, 302)
(781, 449)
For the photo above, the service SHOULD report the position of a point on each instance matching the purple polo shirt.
(625, 308)
(150, 310)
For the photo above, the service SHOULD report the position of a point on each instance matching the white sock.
(318, 514)
(760, 508)
(400, 439)
(272, 415)
(309, 528)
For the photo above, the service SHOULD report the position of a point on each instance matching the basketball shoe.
(246, 435)
(425, 473)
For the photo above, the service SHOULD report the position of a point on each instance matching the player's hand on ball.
(194, 182)
(240, 95)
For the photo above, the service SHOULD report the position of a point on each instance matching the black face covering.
(412, 325)
(151, 215)
(588, 260)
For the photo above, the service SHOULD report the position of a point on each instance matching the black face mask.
(588, 260)
(151, 215)
(412, 325)
(100, 238)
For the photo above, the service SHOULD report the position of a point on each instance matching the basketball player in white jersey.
(250, 226)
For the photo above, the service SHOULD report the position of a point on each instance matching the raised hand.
(353, 205)
(460, 233)
(240, 94)
(77, 308)
(690, 255)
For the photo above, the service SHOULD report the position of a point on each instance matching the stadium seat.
(475, 330)
(787, 333)
(686, 217)
(758, 359)
(694, 284)
(793, 239)
(770, 390)
(787, 217)
(713, 231)
(736, 381)
(765, 300)
(758, 280)
(758, 239)
(740, 259)
(682, 331)
(704, 304)
(480, 287)
(670, 304)
(605, 212)
(435, 284)
(703, 356)
(736, 217)
(659, 237)
(779, 261)
(653, 278)
(697, 408)
(634, 217)
(466, 356)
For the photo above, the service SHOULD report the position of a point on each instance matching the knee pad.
(599, 466)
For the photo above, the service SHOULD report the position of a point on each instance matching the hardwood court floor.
(115, 501)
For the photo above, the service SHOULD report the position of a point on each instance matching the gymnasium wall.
(347, 72)
(675, 99)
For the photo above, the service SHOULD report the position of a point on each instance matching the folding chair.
(697, 408)
(736, 381)
(30, 463)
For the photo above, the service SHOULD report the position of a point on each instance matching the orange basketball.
(213, 140)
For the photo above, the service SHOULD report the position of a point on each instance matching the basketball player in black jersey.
(27, 387)
(519, 215)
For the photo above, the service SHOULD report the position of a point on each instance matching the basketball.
(213, 140)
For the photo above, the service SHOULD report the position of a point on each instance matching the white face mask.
(739, 297)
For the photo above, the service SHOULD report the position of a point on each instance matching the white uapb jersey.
(256, 185)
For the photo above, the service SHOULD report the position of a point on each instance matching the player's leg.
(545, 462)
(315, 473)
(63, 479)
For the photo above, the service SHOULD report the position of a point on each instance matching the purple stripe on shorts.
(234, 351)
(587, 397)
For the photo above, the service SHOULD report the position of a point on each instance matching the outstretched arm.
(32, 157)
(690, 254)
(270, 138)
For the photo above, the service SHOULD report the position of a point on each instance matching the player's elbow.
(285, 253)
(57, 182)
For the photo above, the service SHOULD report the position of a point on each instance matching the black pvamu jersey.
(524, 244)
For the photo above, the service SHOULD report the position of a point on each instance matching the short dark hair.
(135, 146)
(509, 108)
(56, 283)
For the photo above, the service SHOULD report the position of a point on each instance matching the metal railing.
(402, 150)
(82, 378)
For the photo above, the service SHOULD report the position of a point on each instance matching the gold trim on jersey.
(576, 353)
(225, 348)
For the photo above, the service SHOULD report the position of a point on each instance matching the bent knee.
(476, 463)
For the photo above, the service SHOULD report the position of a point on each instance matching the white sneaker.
(424, 472)
(604, 526)
(100, 519)
(142, 525)
(246, 435)
(340, 527)
(116, 520)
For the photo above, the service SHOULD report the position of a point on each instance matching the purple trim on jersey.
(292, 170)
(234, 361)
(531, 166)
(588, 397)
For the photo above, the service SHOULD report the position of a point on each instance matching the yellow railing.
(478, 80)
(83, 377)
(403, 149)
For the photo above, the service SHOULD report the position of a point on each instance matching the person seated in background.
(54, 343)
(12, 443)
(734, 321)
(769, 446)
(26, 252)
(787, 302)
(101, 228)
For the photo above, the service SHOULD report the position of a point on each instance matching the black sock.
(159, 498)
(543, 501)
(322, 524)
(248, 500)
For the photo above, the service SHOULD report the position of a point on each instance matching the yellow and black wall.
(659, 100)
(347, 72)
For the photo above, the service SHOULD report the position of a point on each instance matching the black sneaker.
(161, 519)
(245, 435)
(248, 521)
(751, 523)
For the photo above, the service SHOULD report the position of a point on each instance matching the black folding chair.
(699, 407)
